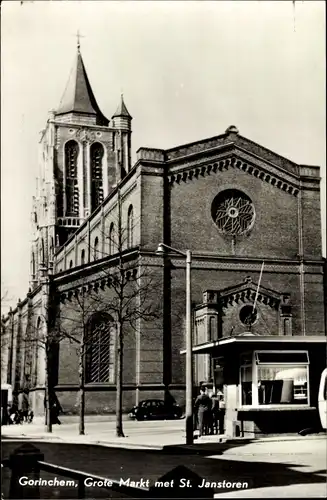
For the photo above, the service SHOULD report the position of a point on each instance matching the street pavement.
(149, 434)
(288, 467)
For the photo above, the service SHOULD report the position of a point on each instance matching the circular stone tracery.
(248, 315)
(233, 212)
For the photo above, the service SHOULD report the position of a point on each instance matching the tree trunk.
(81, 391)
(119, 382)
(47, 390)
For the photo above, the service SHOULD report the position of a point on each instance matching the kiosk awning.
(259, 340)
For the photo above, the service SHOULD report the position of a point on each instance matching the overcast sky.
(188, 70)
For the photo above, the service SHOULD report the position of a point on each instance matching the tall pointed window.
(51, 249)
(41, 252)
(130, 226)
(71, 182)
(97, 153)
(96, 248)
(33, 265)
(83, 257)
(100, 353)
(112, 248)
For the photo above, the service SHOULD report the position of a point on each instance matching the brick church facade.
(251, 219)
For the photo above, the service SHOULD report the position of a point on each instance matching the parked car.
(155, 409)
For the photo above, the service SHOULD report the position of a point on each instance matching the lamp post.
(189, 370)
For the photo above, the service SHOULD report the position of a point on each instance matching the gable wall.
(275, 231)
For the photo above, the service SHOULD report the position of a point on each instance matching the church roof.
(78, 96)
(121, 110)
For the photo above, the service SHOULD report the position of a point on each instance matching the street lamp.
(189, 371)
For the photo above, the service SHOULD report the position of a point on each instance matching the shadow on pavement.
(204, 448)
(152, 465)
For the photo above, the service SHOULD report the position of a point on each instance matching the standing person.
(203, 408)
(55, 409)
(214, 412)
(25, 404)
(221, 412)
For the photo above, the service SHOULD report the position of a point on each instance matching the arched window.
(71, 182)
(100, 349)
(51, 249)
(33, 265)
(96, 248)
(42, 255)
(96, 153)
(70, 264)
(130, 226)
(112, 245)
(83, 257)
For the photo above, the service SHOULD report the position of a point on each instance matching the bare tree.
(123, 289)
(45, 335)
(119, 286)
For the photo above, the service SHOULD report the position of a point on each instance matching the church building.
(252, 221)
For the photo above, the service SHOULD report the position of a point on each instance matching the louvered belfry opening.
(100, 350)
(97, 153)
(72, 194)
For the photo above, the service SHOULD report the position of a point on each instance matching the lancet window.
(72, 195)
(97, 153)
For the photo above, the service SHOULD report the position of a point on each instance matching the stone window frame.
(255, 363)
(71, 191)
(93, 356)
(97, 152)
(221, 197)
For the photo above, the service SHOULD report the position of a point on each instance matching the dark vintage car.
(155, 409)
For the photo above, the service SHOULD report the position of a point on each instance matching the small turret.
(122, 122)
(122, 119)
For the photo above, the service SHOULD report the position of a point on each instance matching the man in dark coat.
(25, 404)
(215, 413)
(203, 407)
(55, 408)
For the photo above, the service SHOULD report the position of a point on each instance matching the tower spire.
(122, 110)
(78, 97)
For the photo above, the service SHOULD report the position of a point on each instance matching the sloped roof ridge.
(248, 284)
(273, 155)
(241, 142)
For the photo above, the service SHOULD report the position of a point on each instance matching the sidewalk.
(155, 435)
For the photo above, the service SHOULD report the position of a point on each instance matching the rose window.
(233, 212)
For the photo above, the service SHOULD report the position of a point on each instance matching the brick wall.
(192, 225)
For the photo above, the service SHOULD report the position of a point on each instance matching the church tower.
(82, 158)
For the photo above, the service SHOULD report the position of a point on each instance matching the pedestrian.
(25, 405)
(55, 408)
(221, 412)
(203, 409)
(214, 413)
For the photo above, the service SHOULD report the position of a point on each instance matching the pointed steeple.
(122, 110)
(78, 97)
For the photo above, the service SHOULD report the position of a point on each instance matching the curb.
(279, 439)
(197, 448)
(57, 439)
